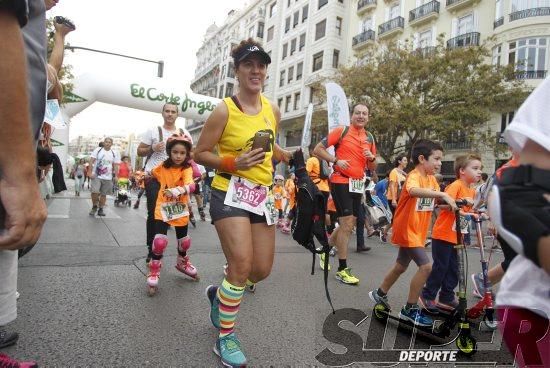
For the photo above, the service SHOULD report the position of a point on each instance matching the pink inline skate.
(159, 245)
(184, 265)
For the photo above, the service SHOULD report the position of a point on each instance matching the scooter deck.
(428, 331)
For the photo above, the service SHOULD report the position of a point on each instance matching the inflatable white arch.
(142, 94)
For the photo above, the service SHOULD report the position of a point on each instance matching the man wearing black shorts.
(355, 151)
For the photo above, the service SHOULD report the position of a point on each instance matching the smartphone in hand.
(262, 140)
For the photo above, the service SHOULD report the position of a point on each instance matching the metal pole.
(160, 64)
(160, 71)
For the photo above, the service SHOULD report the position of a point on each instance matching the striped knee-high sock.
(229, 297)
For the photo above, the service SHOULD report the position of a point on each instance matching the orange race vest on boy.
(445, 223)
(413, 215)
(171, 178)
(347, 148)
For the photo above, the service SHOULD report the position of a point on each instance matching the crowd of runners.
(237, 154)
(411, 207)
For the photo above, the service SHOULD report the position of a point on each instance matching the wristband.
(228, 164)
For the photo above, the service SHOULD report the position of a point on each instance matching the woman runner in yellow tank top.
(241, 198)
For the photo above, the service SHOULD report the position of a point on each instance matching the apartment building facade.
(309, 39)
(517, 31)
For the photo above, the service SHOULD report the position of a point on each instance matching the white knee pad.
(184, 244)
(160, 242)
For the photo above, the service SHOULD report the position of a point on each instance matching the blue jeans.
(444, 275)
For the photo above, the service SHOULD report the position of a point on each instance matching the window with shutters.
(295, 19)
(270, 33)
(299, 70)
(497, 55)
(465, 24)
(339, 26)
(395, 11)
(285, 47)
(305, 11)
(317, 61)
(229, 90)
(322, 3)
(297, 97)
(273, 9)
(425, 39)
(290, 74)
(335, 58)
(287, 103)
(287, 24)
(292, 46)
(282, 78)
(302, 41)
(260, 33)
(320, 29)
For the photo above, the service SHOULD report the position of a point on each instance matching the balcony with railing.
(424, 52)
(464, 40)
(460, 144)
(497, 23)
(531, 74)
(363, 39)
(526, 13)
(364, 5)
(424, 13)
(458, 4)
(391, 27)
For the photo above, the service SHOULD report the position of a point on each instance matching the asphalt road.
(84, 303)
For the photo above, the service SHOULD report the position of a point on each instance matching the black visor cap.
(253, 49)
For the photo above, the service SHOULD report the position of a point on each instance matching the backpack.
(370, 137)
(324, 169)
(309, 222)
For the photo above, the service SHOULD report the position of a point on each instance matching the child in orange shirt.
(410, 227)
(290, 189)
(444, 275)
(279, 194)
(175, 176)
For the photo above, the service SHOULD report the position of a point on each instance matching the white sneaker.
(17, 295)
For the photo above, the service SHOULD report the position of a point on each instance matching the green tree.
(435, 93)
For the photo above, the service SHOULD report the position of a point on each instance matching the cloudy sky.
(169, 30)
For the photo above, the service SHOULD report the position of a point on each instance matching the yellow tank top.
(237, 138)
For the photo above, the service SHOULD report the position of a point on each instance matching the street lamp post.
(160, 63)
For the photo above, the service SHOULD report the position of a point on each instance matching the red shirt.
(124, 170)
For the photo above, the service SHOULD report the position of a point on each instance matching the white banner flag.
(337, 106)
(306, 133)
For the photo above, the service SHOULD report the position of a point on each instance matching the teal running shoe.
(228, 348)
(211, 293)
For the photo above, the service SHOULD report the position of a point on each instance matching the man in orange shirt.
(355, 151)
(444, 275)
(410, 228)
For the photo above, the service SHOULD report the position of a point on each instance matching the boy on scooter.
(444, 275)
(411, 222)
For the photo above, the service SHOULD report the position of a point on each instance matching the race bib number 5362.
(246, 195)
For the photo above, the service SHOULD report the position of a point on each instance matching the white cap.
(532, 120)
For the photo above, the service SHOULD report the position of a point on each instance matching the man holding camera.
(105, 162)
